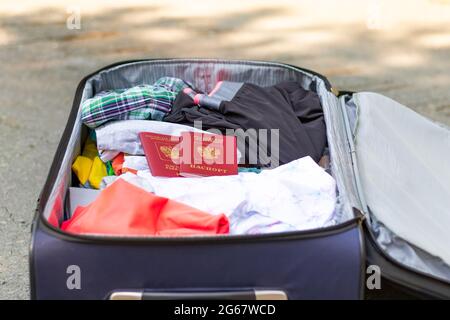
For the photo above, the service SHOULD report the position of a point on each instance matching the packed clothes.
(280, 190)
(300, 193)
(294, 111)
(142, 213)
(88, 167)
(123, 136)
(140, 102)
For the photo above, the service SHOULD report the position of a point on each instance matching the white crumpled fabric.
(135, 163)
(299, 193)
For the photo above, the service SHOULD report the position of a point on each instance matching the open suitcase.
(392, 174)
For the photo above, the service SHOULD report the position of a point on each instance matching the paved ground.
(400, 49)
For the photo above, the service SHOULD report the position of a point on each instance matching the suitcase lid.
(401, 169)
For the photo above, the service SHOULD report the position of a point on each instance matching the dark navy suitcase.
(327, 263)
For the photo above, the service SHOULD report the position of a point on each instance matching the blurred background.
(398, 48)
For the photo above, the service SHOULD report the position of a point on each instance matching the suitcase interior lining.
(409, 212)
(203, 74)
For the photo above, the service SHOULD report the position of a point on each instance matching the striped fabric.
(137, 103)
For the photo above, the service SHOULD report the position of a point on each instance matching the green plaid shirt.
(136, 103)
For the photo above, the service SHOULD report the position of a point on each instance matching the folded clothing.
(123, 136)
(88, 167)
(297, 114)
(299, 193)
(126, 210)
(140, 102)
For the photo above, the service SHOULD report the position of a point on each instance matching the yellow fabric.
(90, 149)
(88, 167)
(82, 168)
(98, 171)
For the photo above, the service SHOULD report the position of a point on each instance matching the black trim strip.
(345, 92)
(440, 287)
(31, 259)
(292, 235)
(363, 253)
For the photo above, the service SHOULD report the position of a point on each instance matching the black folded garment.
(294, 111)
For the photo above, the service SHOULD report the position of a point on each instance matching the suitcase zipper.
(291, 235)
(352, 151)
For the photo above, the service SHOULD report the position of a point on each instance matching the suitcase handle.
(213, 295)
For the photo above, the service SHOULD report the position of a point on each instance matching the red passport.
(162, 152)
(208, 155)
